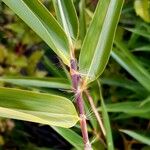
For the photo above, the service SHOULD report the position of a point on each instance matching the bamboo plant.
(61, 34)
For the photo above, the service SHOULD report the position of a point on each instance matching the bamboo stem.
(79, 102)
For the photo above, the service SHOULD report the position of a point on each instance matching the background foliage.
(125, 81)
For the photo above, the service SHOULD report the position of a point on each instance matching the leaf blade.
(37, 107)
(137, 136)
(71, 136)
(94, 55)
(131, 64)
(59, 83)
(106, 120)
(66, 14)
(43, 23)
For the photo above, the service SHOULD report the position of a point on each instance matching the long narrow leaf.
(71, 136)
(98, 41)
(140, 32)
(129, 107)
(67, 16)
(109, 139)
(82, 19)
(59, 83)
(43, 23)
(137, 136)
(138, 108)
(131, 64)
(125, 83)
(37, 107)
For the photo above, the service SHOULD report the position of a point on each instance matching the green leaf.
(58, 83)
(124, 83)
(131, 64)
(142, 9)
(51, 67)
(137, 108)
(67, 16)
(99, 38)
(43, 23)
(82, 19)
(141, 32)
(109, 139)
(72, 137)
(138, 136)
(128, 107)
(145, 48)
(37, 107)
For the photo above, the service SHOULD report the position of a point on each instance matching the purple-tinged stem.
(80, 105)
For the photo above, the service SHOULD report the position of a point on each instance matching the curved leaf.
(43, 23)
(98, 41)
(37, 107)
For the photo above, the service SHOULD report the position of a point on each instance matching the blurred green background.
(23, 53)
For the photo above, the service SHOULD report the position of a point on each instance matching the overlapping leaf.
(37, 107)
(43, 23)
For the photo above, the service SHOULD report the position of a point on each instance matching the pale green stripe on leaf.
(98, 41)
(37, 107)
(33, 13)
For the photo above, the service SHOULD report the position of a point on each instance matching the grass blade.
(138, 108)
(124, 83)
(109, 139)
(82, 20)
(37, 107)
(34, 14)
(99, 38)
(58, 83)
(72, 137)
(131, 64)
(139, 137)
(140, 32)
(67, 17)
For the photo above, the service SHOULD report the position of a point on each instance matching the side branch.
(90, 99)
